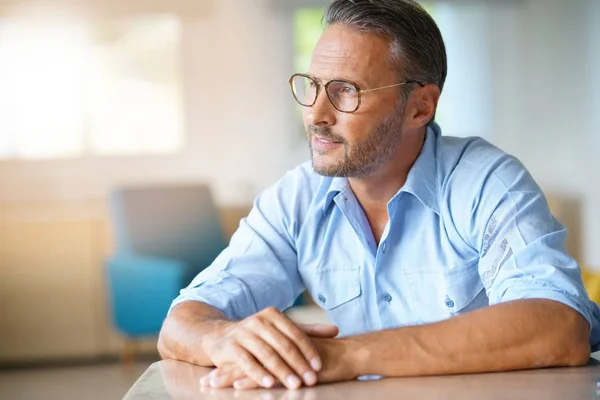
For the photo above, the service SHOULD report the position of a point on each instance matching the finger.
(245, 384)
(250, 366)
(288, 351)
(320, 330)
(296, 335)
(205, 380)
(270, 359)
(225, 376)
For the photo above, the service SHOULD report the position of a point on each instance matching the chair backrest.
(173, 221)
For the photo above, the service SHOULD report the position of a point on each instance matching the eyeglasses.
(344, 95)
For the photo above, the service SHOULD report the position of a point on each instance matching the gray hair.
(417, 50)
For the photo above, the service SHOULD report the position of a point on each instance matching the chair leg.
(129, 353)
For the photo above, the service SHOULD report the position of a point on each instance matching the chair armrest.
(141, 289)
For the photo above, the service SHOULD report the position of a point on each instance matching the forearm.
(187, 331)
(515, 335)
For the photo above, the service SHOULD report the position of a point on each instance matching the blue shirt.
(469, 228)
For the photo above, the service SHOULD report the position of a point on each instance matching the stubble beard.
(363, 158)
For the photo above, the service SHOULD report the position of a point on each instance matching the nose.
(322, 113)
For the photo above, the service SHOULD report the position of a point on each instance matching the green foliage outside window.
(307, 30)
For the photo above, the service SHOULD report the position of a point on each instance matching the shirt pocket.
(440, 295)
(464, 291)
(339, 293)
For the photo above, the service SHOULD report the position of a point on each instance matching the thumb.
(320, 330)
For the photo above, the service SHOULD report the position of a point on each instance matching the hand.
(337, 366)
(267, 347)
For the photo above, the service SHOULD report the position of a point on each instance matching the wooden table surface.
(174, 380)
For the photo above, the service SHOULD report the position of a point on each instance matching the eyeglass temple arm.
(389, 86)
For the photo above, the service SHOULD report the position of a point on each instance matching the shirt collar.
(422, 179)
(420, 182)
(336, 185)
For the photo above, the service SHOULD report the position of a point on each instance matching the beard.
(364, 157)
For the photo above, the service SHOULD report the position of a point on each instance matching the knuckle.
(245, 322)
(244, 359)
(253, 323)
(297, 362)
(239, 353)
(272, 360)
(271, 311)
(287, 346)
(263, 351)
(299, 339)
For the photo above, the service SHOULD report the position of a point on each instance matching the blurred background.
(100, 95)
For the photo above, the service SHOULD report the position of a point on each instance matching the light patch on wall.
(465, 107)
(72, 88)
(42, 68)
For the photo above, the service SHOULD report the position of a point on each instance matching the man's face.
(356, 144)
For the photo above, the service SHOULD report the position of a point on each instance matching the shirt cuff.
(544, 290)
(227, 294)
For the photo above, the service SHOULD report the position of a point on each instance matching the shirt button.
(322, 298)
(387, 297)
(383, 247)
(449, 302)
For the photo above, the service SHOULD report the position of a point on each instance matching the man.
(431, 254)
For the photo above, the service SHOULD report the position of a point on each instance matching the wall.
(592, 231)
(236, 88)
(53, 287)
(237, 61)
(546, 99)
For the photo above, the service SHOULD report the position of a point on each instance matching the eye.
(347, 89)
(339, 88)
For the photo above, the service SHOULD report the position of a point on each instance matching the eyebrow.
(320, 80)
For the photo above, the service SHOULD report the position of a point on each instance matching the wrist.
(212, 334)
(356, 355)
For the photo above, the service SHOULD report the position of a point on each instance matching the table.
(175, 380)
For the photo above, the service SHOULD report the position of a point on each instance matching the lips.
(324, 140)
(321, 144)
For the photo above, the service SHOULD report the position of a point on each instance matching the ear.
(422, 105)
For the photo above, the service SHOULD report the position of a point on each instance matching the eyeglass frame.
(358, 89)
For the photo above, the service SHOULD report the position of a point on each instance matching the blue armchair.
(164, 236)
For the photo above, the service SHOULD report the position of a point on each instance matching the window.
(71, 89)
(307, 30)
(465, 105)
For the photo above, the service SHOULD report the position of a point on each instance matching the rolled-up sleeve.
(259, 267)
(522, 246)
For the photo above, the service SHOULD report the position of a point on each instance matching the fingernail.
(310, 378)
(267, 381)
(205, 380)
(315, 363)
(215, 381)
(293, 382)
